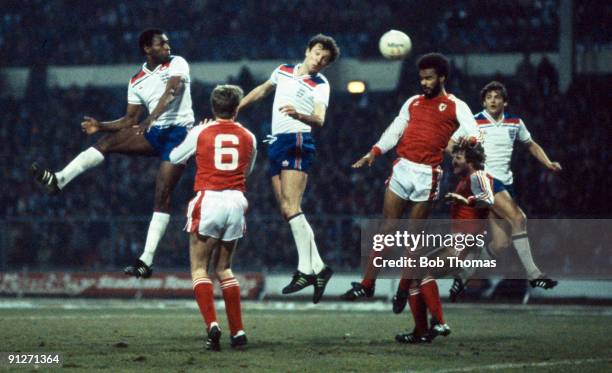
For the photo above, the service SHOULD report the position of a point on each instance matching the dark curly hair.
(474, 153)
(328, 43)
(436, 61)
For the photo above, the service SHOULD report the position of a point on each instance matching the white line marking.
(523, 365)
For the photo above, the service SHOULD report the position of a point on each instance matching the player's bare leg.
(302, 277)
(123, 141)
(231, 292)
(393, 209)
(418, 214)
(167, 178)
(505, 207)
(200, 252)
(311, 269)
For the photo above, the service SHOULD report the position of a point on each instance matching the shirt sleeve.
(187, 148)
(482, 193)
(132, 97)
(467, 123)
(274, 76)
(179, 67)
(321, 94)
(396, 129)
(523, 133)
(253, 155)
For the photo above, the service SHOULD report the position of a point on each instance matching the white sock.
(521, 245)
(309, 260)
(84, 161)
(315, 259)
(157, 228)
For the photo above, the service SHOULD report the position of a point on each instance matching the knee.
(224, 273)
(103, 145)
(198, 272)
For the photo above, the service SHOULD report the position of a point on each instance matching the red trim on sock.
(203, 291)
(231, 296)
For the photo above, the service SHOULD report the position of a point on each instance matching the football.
(395, 45)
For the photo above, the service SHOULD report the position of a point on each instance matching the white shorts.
(217, 214)
(414, 181)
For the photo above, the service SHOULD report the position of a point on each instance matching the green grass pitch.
(483, 338)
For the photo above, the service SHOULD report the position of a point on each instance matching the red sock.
(404, 284)
(419, 312)
(370, 272)
(231, 296)
(368, 283)
(431, 296)
(203, 289)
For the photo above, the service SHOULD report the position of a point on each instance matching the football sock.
(431, 297)
(309, 260)
(157, 228)
(371, 272)
(368, 283)
(203, 290)
(419, 312)
(404, 284)
(521, 245)
(84, 161)
(231, 296)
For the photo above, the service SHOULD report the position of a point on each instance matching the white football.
(394, 45)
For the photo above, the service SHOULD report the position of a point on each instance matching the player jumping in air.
(500, 130)
(300, 103)
(422, 131)
(225, 154)
(162, 86)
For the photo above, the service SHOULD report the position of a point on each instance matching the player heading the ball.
(300, 103)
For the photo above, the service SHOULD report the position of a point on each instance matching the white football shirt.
(498, 142)
(147, 87)
(300, 91)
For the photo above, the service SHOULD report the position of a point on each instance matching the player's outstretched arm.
(366, 159)
(456, 198)
(536, 150)
(91, 125)
(174, 89)
(256, 94)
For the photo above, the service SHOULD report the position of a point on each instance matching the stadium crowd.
(51, 31)
(95, 222)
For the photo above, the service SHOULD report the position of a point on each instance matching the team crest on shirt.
(512, 133)
(442, 107)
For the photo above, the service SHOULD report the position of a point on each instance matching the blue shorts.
(498, 186)
(163, 140)
(291, 151)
